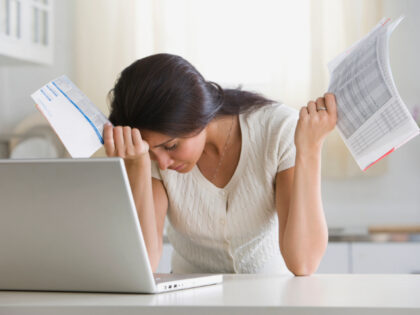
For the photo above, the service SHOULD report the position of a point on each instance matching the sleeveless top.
(233, 229)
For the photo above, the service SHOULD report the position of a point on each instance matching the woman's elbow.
(303, 270)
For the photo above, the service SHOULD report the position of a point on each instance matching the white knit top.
(233, 229)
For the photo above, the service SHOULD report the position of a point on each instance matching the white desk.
(240, 294)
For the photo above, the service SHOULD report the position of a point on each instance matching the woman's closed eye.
(171, 148)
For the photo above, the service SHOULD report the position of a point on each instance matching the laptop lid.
(70, 225)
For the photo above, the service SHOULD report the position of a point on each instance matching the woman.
(237, 174)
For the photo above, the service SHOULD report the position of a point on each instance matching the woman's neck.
(217, 133)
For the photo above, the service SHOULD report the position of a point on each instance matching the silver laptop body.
(71, 225)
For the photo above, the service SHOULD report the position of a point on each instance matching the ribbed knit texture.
(233, 229)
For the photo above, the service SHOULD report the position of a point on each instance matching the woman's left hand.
(316, 121)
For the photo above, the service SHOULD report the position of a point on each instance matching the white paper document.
(372, 118)
(76, 120)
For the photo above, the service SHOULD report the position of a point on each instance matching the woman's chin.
(184, 169)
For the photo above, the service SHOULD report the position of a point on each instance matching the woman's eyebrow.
(159, 145)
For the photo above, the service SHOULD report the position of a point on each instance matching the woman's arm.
(303, 230)
(149, 194)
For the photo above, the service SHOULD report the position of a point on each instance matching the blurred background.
(277, 48)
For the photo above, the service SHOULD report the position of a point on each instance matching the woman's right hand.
(125, 142)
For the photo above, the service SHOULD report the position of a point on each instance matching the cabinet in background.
(395, 257)
(371, 257)
(26, 31)
(337, 258)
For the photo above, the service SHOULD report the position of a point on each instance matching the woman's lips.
(178, 167)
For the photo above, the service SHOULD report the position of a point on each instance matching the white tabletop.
(240, 294)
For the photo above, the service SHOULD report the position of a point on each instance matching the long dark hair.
(166, 94)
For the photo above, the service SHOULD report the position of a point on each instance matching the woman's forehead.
(155, 138)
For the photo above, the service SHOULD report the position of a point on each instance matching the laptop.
(71, 225)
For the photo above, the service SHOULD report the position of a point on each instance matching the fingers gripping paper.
(372, 119)
(76, 120)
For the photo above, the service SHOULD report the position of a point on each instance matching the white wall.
(19, 81)
(394, 197)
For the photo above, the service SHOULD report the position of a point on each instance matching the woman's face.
(179, 154)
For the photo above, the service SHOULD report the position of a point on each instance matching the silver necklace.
(223, 152)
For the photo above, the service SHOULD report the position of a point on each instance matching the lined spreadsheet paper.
(372, 118)
(76, 120)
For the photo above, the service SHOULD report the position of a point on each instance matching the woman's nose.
(164, 161)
